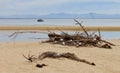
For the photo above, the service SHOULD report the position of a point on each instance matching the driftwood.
(40, 65)
(106, 46)
(79, 39)
(82, 27)
(67, 55)
(15, 34)
(54, 55)
(30, 58)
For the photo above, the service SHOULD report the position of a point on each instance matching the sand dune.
(12, 61)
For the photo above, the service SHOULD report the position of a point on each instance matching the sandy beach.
(12, 61)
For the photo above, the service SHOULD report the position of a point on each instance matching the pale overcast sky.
(42, 7)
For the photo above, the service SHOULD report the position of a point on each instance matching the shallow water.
(33, 36)
(85, 22)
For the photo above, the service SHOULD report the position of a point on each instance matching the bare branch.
(30, 58)
(82, 27)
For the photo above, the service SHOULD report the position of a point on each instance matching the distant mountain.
(64, 15)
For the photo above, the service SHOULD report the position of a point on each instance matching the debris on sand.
(54, 55)
(40, 65)
(79, 39)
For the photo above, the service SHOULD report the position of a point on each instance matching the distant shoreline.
(68, 16)
(60, 18)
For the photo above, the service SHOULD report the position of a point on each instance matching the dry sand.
(12, 61)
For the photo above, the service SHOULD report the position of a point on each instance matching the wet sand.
(12, 61)
(67, 28)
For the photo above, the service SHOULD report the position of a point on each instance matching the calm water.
(85, 22)
(30, 36)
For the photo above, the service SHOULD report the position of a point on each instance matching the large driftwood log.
(67, 55)
(54, 55)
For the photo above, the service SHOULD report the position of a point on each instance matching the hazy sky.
(41, 7)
